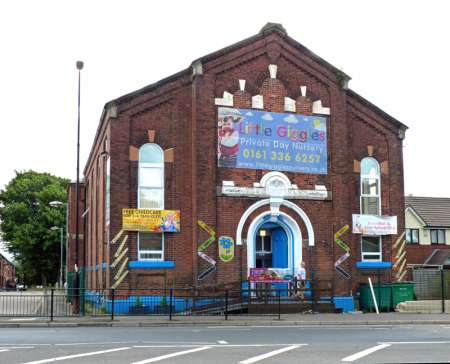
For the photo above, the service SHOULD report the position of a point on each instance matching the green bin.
(383, 294)
(401, 292)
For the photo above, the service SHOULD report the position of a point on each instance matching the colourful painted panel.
(147, 220)
(226, 248)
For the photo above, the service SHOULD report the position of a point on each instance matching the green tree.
(25, 221)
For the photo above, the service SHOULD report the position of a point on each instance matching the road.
(225, 344)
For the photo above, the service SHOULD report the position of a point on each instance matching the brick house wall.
(182, 113)
(7, 271)
(71, 226)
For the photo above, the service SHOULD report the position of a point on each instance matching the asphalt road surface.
(225, 344)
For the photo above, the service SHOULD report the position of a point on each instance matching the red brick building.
(7, 272)
(180, 144)
(73, 255)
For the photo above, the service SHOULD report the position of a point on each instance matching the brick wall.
(7, 271)
(72, 227)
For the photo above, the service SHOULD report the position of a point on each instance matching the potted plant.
(139, 308)
(163, 308)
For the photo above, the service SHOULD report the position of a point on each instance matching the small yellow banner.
(154, 221)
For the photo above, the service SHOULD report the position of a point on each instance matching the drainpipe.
(197, 76)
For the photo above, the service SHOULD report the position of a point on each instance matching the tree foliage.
(26, 220)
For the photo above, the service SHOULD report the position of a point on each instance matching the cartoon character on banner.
(228, 140)
(170, 223)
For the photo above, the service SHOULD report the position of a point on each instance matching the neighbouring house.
(7, 271)
(427, 222)
(256, 156)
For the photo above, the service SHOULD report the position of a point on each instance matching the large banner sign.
(269, 140)
(155, 221)
(374, 225)
(265, 275)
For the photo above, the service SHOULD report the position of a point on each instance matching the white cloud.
(267, 117)
(249, 113)
(291, 119)
(223, 111)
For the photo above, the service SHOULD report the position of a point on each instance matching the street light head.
(54, 228)
(55, 203)
(80, 65)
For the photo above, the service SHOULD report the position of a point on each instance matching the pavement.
(227, 344)
(319, 319)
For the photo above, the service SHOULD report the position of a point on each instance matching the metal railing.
(432, 288)
(255, 299)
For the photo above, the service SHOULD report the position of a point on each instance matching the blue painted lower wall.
(160, 304)
(150, 304)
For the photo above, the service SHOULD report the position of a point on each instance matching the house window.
(412, 236)
(371, 248)
(151, 246)
(370, 187)
(263, 249)
(437, 236)
(151, 196)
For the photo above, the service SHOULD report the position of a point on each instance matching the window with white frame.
(151, 246)
(371, 248)
(370, 187)
(151, 177)
(151, 196)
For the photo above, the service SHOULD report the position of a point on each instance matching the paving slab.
(244, 320)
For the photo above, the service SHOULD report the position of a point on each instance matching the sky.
(397, 53)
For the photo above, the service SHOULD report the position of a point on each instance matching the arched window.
(151, 177)
(370, 187)
(151, 196)
(370, 205)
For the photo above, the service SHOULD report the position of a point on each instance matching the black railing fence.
(255, 299)
(431, 289)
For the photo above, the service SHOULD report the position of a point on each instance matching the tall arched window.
(151, 196)
(151, 177)
(370, 205)
(370, 187)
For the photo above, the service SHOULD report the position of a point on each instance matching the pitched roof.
(266, 29)
(434, 211)
(6, 259)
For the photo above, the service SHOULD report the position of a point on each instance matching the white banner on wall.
(374, 225)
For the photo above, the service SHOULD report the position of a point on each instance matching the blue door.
(280, 255)
(279, 248)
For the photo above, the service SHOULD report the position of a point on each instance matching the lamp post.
(79, 65)
(54, 228)
(66, 205)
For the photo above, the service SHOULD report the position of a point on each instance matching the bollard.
(226, 304)
(279, 304)
(170, 303)
(112, 303)
(51, 303)
(442, 290)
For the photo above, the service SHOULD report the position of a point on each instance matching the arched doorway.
(271, 246)
(274, 242)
